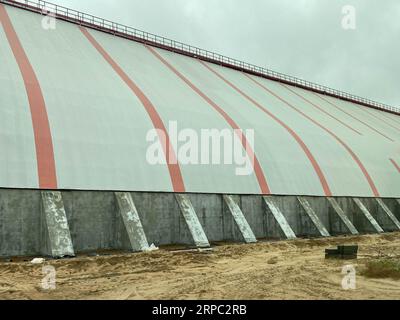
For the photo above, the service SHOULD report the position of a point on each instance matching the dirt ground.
(277, 270)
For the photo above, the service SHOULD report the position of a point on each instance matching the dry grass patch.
(384, 268)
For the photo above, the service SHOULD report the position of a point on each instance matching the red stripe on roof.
(379, 118)
(256, 165)
(169, 152)
(41, 128)
(323, 111)
(301, 143)
(395, 165)
(353, 117)
(391, 118)
(353, 155)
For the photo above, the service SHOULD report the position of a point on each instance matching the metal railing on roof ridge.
(75, 16)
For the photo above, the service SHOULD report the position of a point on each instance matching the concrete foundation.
(239, 218)
(307, 208)
(369, 219)
(98, 221)
(277, 222)
(341, 225)
(133, 225)
(192, 221)
(57, 236)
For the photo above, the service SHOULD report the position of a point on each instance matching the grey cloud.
(303, 38)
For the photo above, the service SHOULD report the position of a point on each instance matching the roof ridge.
(117, 29)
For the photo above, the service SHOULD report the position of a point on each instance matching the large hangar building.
(77, 102)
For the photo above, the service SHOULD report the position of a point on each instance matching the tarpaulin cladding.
(305, 144)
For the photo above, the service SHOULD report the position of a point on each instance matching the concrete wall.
(96, 224)
(394, 206)
(20, 222)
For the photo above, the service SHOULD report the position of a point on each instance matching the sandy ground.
(278, 270)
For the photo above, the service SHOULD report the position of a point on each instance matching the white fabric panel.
(99, 126)
(176, 101)
(18, 166)
(277, 152)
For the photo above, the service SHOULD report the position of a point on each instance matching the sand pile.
(279, 270)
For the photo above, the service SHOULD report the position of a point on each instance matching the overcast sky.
(303, 38)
